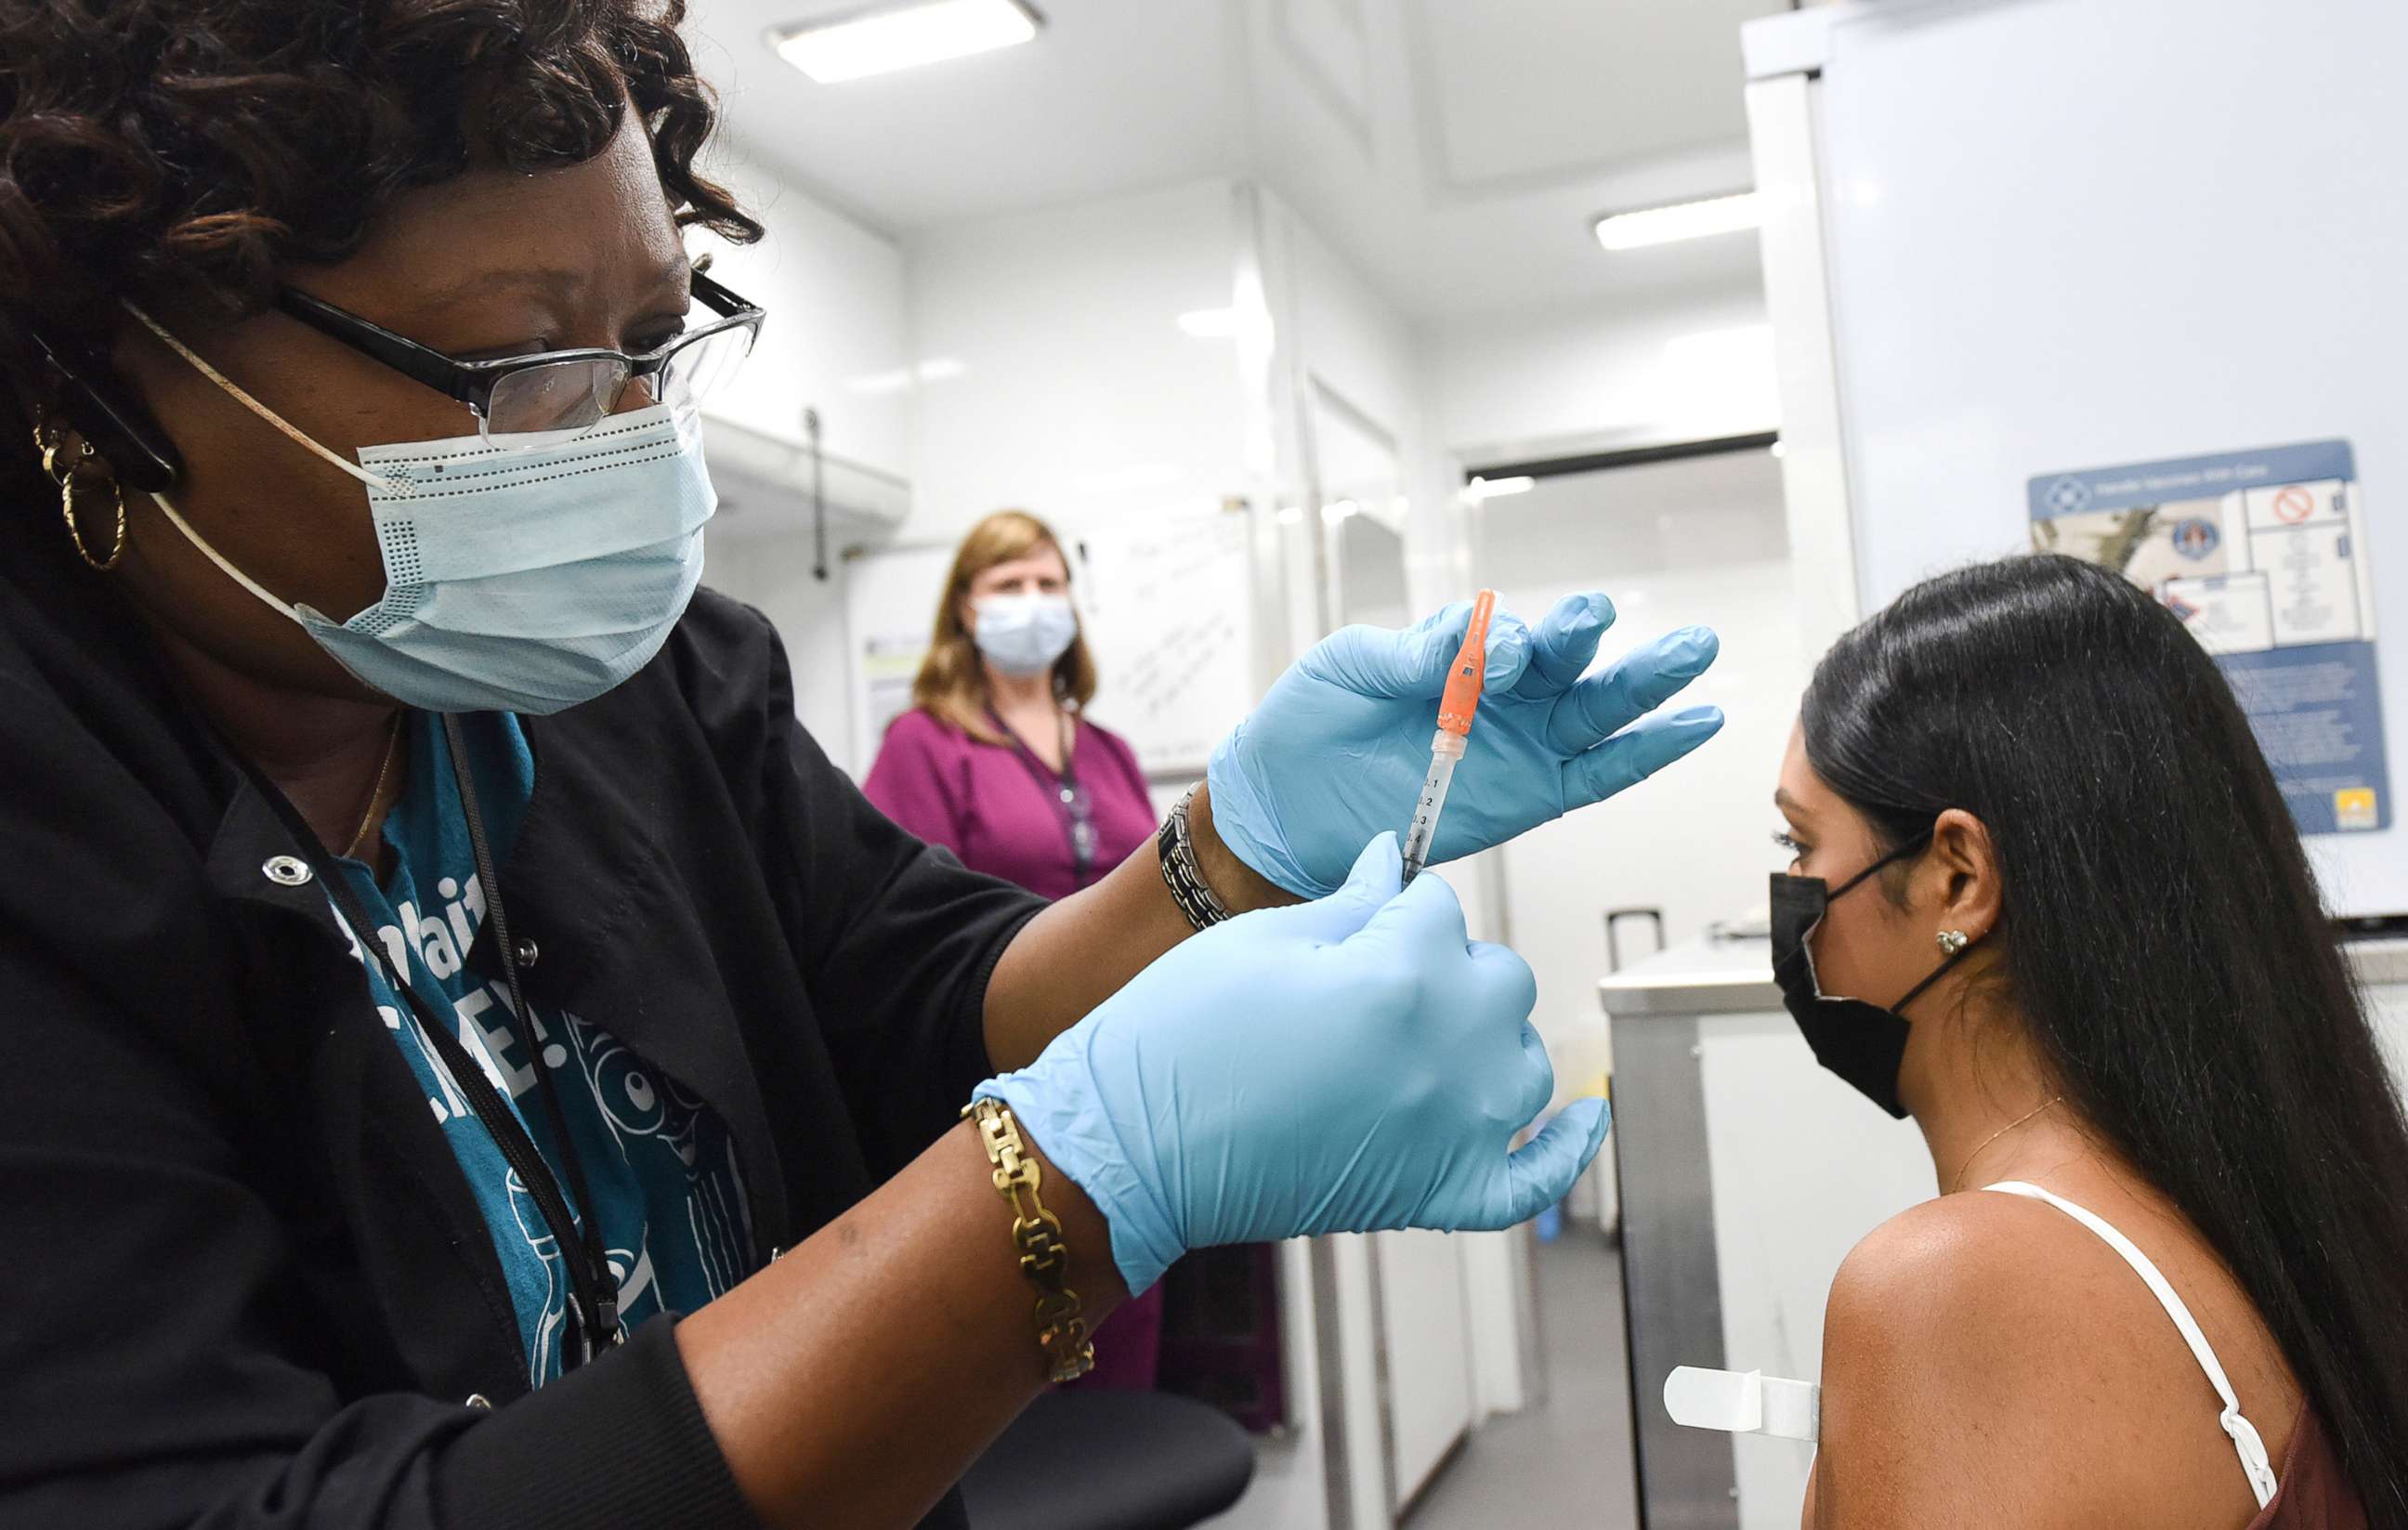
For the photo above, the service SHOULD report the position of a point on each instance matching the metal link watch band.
(1175, 846)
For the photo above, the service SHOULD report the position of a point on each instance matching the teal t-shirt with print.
(657, 1162)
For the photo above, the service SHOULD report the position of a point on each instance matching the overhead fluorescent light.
(1339, 510)
(1679, 221)
(901, 37)
(1210, 323)
(1480, 491)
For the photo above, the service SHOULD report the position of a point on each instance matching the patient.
(2050, 842)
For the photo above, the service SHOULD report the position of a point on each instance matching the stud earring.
(1953, 941)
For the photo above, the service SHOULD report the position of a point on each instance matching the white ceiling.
(1114, 95)
(1455, 151)
(1527, 89)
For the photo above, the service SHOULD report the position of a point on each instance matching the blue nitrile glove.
(1337, 751)
(1341, 1066)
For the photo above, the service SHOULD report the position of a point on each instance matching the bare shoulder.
(1987, 1360)
(1943, 1246)
(1933, 1369)
(1960, 1282)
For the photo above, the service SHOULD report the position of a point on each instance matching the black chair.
(1110, 1461)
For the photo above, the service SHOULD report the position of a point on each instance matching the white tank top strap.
(2245, 1440)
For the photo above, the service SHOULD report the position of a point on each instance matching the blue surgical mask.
(1023, 635)
(523, 580)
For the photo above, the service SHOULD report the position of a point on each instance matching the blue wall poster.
(2263, 556)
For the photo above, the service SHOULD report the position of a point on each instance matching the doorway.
(1681, 536)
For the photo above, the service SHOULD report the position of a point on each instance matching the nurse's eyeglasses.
(554, 392)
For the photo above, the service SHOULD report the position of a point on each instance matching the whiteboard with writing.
(1169, 606)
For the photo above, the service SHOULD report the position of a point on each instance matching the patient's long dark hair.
(2163, 939)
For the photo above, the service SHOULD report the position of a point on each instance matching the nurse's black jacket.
(242, 1281)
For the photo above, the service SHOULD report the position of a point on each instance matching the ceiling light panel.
(902, 36)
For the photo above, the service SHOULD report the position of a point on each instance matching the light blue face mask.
(524, 580)
(1023, 634)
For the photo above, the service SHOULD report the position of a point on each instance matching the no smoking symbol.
(2293, 505)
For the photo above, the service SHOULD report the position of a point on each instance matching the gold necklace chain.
(1995, 1136)
(376, 792)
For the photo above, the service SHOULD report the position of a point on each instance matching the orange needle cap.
(1462, 697)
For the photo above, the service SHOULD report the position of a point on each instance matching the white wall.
(1337, 329)
(1686, 368)
(1079, 396)
(835, 297)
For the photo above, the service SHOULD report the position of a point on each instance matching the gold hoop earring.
(1953, 941)
(74, 532)
(48, 439)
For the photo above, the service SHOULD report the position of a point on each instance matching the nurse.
(996, 760)
(432, 957)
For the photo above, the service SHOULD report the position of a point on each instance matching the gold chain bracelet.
(1061, 1331)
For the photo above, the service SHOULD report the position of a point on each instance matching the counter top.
(1715, 977)
(2379, 962)
(1701, 976)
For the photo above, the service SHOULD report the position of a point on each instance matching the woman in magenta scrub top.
(996, 762)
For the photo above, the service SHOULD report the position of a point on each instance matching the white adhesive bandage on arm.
(1744, 1403)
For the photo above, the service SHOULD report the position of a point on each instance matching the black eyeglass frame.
(473, 383)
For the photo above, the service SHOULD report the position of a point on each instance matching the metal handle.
(1613, 937)
(819, 496)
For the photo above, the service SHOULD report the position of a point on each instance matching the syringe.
(1456, 709)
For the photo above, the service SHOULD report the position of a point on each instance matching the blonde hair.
(951, 682)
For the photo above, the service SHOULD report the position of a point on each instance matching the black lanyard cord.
(592, 1294)
(604, 1309)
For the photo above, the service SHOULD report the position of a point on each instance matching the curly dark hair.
(203, 146)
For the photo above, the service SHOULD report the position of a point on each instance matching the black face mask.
(1861, 1042)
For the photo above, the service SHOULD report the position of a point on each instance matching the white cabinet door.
(1428, 1353)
